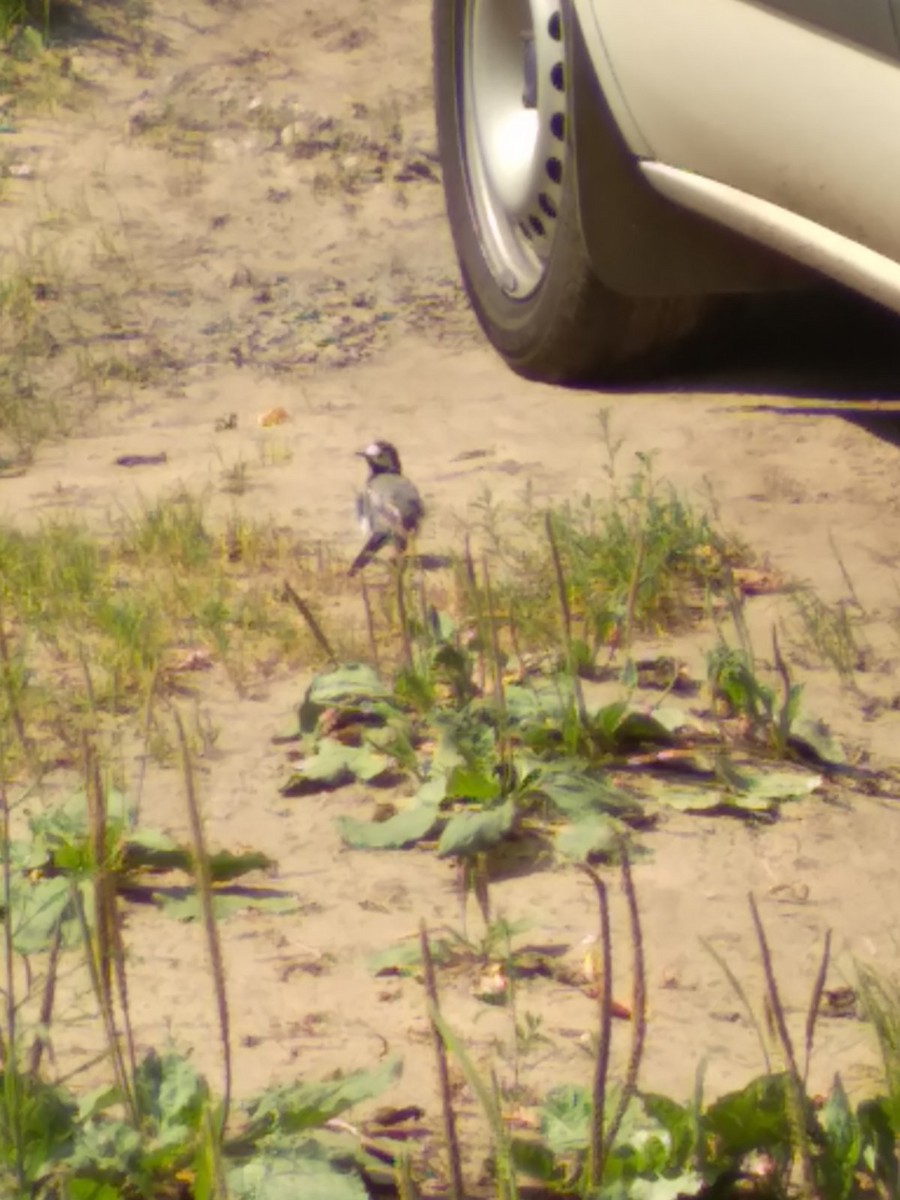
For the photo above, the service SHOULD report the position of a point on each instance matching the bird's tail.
(368, 552)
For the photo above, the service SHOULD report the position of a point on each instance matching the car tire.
(504, 121)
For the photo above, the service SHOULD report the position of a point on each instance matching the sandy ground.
(244, 212)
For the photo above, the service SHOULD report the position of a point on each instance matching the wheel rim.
(514, 129)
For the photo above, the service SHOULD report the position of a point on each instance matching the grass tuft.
(165, 593)
(640, 562)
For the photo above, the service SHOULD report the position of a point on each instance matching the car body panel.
(639, 242)
(751, 98)
(803, 241)
(868, 24)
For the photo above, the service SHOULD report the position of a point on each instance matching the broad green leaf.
(595, 835)
(733, 678)
(465, 783)
(394, 740)
(748, 804)
(97, 1100)
(878, 1146)
(643, 1143)
(566, 1116)
(462, 739)
(545, 702)
(334, 765)
(684, 799)
(347, 686)
(537, 1161)
(789, 711)
(814, 736)
(678, 1120)
(575, 793)
(37, 906)
(780, 785)
(120, 810)
(637, 728)
(606, 720)
(44, 1115)
(406, 957)
(842, 1142)
(469, 833)
(671, 718)
(183, 904)
(106, 1145)
(152, 850)
(679, 1188)
(758, 794)
(170, 1091)
(225, 865)
(89, 1188)
(447, 754)
(403, 829)
(709, 800)
(297, 1176)
(293, 1108)
(755, 1118)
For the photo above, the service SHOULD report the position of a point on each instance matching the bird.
(389, 509)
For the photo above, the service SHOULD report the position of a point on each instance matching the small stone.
(242, 277)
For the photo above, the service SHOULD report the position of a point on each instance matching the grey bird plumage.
(389, 509)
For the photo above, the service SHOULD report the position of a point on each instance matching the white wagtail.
(389, 509)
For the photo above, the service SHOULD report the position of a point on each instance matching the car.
(612, 167)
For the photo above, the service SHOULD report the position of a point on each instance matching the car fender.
(639, 242)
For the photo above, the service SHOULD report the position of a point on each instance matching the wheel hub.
(515, 128)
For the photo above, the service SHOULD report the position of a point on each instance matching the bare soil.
(237, 208)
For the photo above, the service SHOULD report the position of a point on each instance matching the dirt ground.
(244, 208)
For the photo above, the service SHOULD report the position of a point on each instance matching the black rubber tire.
(572, 328)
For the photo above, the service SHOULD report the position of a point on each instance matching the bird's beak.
(360, 454)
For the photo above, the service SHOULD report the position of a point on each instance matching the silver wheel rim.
(514, 130)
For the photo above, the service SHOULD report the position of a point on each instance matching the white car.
(610, 166)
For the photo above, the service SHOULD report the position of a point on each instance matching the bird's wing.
(396, 504)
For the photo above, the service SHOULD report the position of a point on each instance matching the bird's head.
(382, 458)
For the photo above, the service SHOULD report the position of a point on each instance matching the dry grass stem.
(638, 1001)
(796, 1092)
(454, 1160)
(402, 614)
(310, 618)
(597, 1148)
(370, 622)
(566, 616)
(815, 1001)
(48, 999)
(203, 880)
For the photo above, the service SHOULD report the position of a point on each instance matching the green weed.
(97, 624)
(638, 563)
(17, 16)
(830, 632)
(880, 996)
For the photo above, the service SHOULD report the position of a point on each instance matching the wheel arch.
(660, 249)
